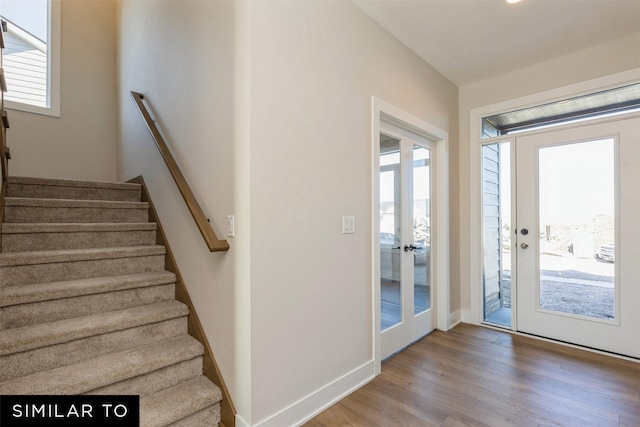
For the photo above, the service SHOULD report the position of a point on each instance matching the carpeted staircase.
(86, 306)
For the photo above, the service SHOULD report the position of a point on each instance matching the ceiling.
(473, 40)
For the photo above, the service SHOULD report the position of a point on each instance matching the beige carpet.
(86, 306)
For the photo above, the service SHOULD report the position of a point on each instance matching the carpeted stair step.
(45, 358)
(16, 316)
(49, 302)
(51, 333)
(27, 210)
(100, 371)
(23, 268)
(207, 417)
(12, 295)
(40, 347)
(155, 381)
(18, 237)
(70, 189)
(143, 328)
(180, 403)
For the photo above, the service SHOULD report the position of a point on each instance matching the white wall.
(314, 68)
(188, 59)
(81, 143)
(599, 61)
(268, 108)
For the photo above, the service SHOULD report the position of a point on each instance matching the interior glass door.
(577, 235)
(405, 209)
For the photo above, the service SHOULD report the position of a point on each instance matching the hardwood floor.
(475, 376)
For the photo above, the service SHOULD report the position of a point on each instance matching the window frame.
(53, 68)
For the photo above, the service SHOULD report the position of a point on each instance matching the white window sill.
(53, 111)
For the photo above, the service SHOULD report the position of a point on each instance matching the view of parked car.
(606, 253)
(421, 253)
(387, 239)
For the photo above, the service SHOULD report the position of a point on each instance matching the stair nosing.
(123, 365)
(151, 405)
(41, 335)
(74, 227)
(55, 182)
(12, 259)
(51, 291)
(34, 202)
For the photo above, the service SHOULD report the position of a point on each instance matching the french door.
(576, 236)
(406, 180)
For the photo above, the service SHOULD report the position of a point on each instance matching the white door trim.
(382, 110)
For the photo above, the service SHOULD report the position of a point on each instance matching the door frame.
(472, 273)
(383, 111)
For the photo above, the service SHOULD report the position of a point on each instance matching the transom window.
(613, 101)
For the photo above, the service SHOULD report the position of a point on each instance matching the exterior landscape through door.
(406, 204)
(577, 237)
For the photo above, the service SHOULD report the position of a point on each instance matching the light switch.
(231, 226)
(348, 224)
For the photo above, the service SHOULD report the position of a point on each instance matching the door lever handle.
(408, 248)
(524, 246)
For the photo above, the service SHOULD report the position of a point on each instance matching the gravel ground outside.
(572, 285)
(584, 300)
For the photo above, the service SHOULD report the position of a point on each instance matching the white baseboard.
(240, 422)
(306, 408)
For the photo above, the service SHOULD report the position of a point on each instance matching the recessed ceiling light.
(513, 1)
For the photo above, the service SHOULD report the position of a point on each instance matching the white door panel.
(578, 268)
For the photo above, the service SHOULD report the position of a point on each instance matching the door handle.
(524, 246)
(408, 248)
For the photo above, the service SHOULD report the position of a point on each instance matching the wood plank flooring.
(475, 376)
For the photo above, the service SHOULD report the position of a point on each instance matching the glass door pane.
(577, 228)
(390, 233)
(421, 229)
(496, 232)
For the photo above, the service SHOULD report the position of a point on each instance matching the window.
(31, 58)
(613, 101)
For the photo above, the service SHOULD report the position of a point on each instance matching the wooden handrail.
(213, 243)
